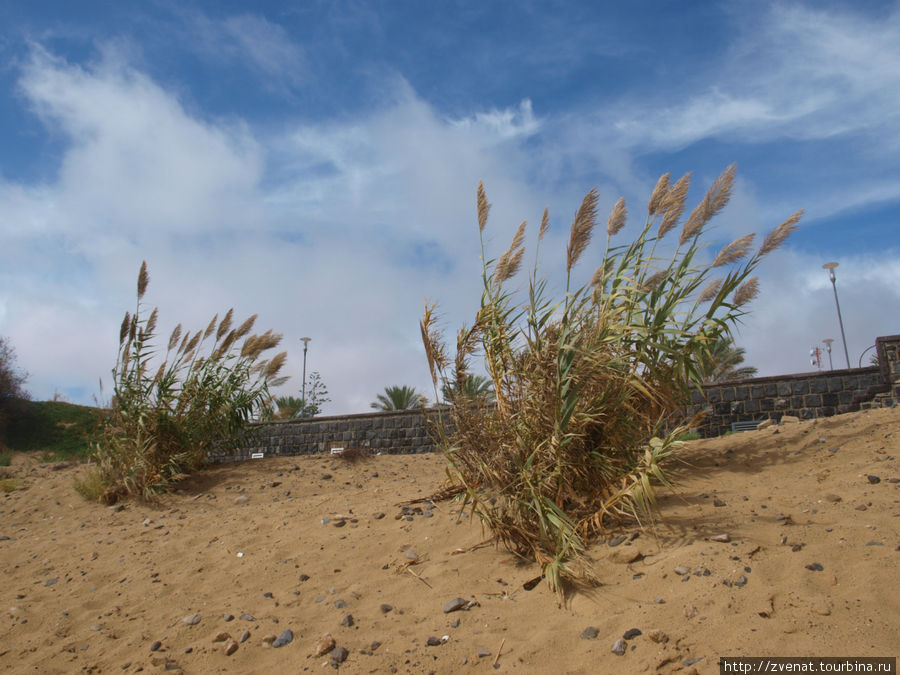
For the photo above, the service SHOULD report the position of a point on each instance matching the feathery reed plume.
(617, 218)
(435, 350)
(775, 238)
(173, 340)
(123, 330)
(484, 207)
(225, 325)
(275, 365)
(159, 374)
(659, 193)
(257, 344)
(244, 328)
(143, 280)
(715, 200)
(509, 262)
(711, 290)
(192, 345)
(184, 342)
(580, 235)
(734, 251)
(545, 224)
(673, 205)
(211, 327)
(746, 291)
(249, 346)
(151, 322)
(653, 281)
(132, 329)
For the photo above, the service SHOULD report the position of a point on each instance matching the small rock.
(326, 476)
(378, 516)
(230, 647)
(618, 647)
(244, 636)
(339, 655)
(590, 633)
(339, 604)
(115, 508)
(862, 507)
(228, 617)
(455, 604)
(832, 498)
(304, 577)
(51, 581)
(615, 541)
(221, 637)
(722, 538)
(718, 502)
(433, 641)
(247, 617)
(324, 645)
(155, 647)
(873, 479)
(815, 567)
(482, 653)
(681, 570)
(657, 636)
(385, 608)
(242, 499)
(633, 633)
(690, 611)
(790, 419)
(348, 621)
(191, 619)
(269, 639)
(626, 555)
(412, 555)
(285, 638)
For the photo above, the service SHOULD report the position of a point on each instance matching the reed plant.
(587, 386)
(165, 419)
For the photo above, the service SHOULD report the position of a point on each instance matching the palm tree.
(288, 407)
(723, 362)
(475, 387)
(399, 398)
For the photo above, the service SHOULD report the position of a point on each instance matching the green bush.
(586, 385)
(165, 420)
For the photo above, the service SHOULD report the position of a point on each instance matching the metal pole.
(830, 267)
(305, 341)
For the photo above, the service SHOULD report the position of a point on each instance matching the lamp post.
(305, 341)
(828, 342)
(830, 267)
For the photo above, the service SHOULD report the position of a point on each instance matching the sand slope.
(89, 589)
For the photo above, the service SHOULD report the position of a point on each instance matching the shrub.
(586, 386)
(11, 381)
(164, 421)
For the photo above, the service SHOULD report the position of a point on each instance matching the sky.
(317, 163)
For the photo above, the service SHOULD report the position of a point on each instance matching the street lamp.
(828, 342)
(305, 341)
(830, 267)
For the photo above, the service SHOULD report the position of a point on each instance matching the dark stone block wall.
(400, 432)
(806, 396)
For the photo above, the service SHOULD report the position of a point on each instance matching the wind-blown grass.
(586, 385)
(165, 420)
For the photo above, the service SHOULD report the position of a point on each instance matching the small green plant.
(90, 485)
(165, 420)
(9, 484)
(586, 385)
(5, 458)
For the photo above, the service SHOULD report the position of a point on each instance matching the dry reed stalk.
(143, 280)
(211, 327)
(673, 205)
(484, 208)
(746, 292)
(173, 339)
(580, 234)
(225, 326)
(124, 329)
(617, 218)
(775, 238)
(545, 224)
(711, 290)
(658, 195)
(734, 251)
(509, 262)
(715, 200)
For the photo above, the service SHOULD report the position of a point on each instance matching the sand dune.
(253, 550)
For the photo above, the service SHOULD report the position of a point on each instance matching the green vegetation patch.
(61, 430)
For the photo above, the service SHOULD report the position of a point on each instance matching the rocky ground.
(780, 542)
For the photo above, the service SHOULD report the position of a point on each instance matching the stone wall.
(400, 432)
(806, 396)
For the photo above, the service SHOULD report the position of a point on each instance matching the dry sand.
(89, 589)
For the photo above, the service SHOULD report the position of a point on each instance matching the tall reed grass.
(587, 385)
(165, 419)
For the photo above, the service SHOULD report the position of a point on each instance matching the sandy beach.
(244, 554)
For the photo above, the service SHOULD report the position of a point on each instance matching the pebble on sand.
(619, 647)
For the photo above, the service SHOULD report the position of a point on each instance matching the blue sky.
(317, 164)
